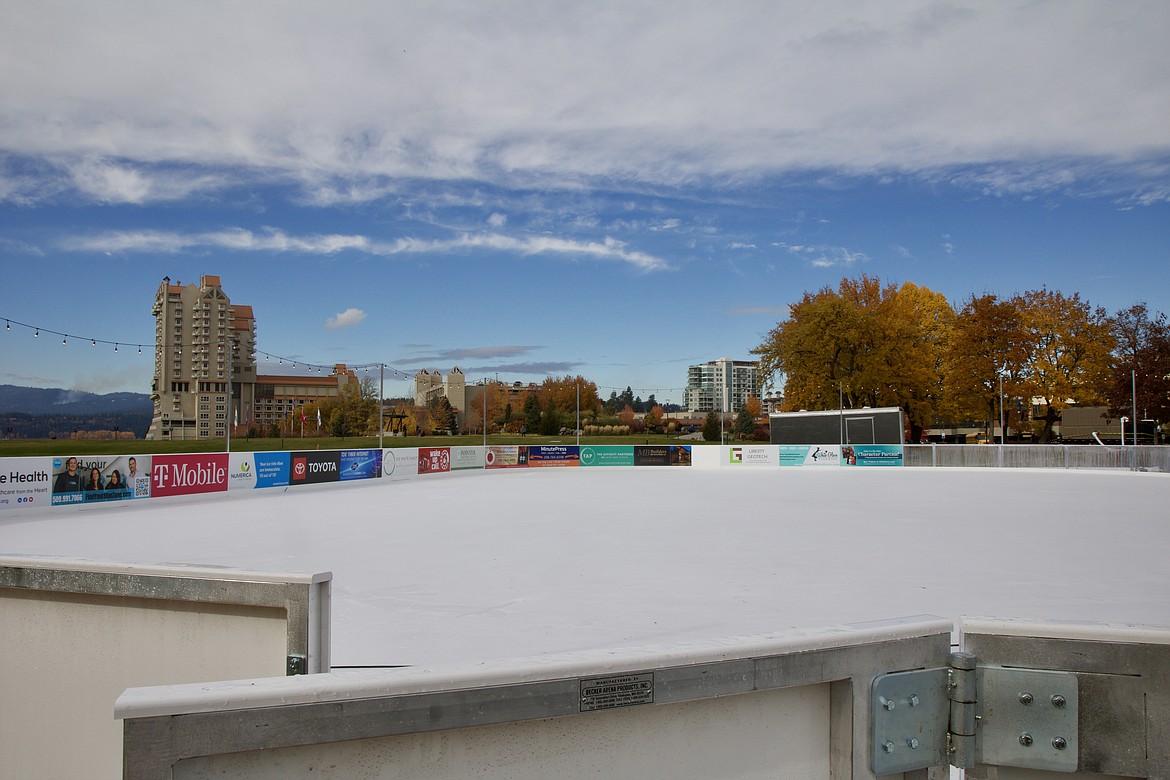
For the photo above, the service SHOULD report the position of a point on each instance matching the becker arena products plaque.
(625, 690)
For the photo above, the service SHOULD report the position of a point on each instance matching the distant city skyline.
(618, 190)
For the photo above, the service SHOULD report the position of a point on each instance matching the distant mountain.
(55, 400)
(43, 413)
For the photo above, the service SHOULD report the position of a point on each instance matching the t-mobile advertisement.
(181, 475)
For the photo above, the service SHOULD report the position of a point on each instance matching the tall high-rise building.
(204, 361)
(721, 385)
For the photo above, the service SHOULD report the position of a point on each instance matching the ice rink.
(473, 568)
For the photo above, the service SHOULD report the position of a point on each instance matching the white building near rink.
(722, 385)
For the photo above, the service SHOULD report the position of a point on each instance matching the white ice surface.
(459, 570)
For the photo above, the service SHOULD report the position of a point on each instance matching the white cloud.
(825, 256)
(520, 91)
(498, 220)
(273, 240)
(270, 240)
(346, 319)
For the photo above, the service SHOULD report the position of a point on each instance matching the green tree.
(442, 415)
(338, 423)
(550, 419)
(712, 427)
(744, 425)
(531, 413)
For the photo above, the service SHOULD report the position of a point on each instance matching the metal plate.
(625, 690)
(909, 712)
(1027, 718)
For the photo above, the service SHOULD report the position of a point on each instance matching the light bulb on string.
(38, 333)
(115, 347)
(63, 343)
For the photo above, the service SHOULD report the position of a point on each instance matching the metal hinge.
(967, 714)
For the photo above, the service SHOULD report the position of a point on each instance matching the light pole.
(1133, 379)
(840, 418)
(1002, 428)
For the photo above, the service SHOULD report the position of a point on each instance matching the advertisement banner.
(314, 467)
(871, 455)
(810, 454)
(434, 460)
(506, 456)
(180, 475)
(757, 455)
(273, 469)
(259, 470)
(400, 464)
(607, 455)
(360, 464)
(466, 458)
(25, 483)
(652, 455)
(553, 455)
(680, 454)
(241, 471)
(90, 478)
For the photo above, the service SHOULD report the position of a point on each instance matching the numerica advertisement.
(181, 475)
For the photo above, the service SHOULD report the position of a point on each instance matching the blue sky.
(616, 189)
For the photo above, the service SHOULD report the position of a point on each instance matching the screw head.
(888, 746)
(1026, 739)
(913, 743)
(1025, 698)
(1058, 701)
(889, 704)
(1060, 743)
(913, 700)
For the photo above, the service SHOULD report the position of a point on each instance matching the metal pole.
(1133, 378)
(840, 416)
(485, 389)
(381, 400)
(227, 441)
(578, 414)
(1002, 429)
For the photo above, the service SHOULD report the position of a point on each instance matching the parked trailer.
(1078, 424)
(883, 425)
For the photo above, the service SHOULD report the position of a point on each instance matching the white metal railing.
(1041, 456)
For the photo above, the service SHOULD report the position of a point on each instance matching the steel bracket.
(967, 714)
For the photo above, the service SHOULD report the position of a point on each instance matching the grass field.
(31, 447)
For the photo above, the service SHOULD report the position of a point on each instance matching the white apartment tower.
(204, 346)
(721, 385)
